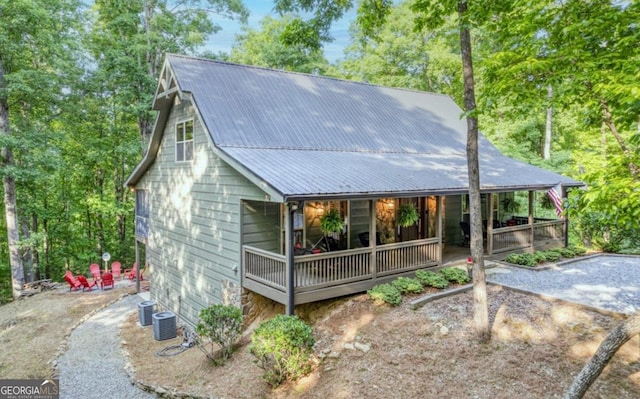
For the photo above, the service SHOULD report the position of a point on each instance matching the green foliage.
(407, 215)
(522, 259)
(265, 48)
(407, 285)
(455, 275)
(6, 293)
(386, 293)
(331, 221)
(538, 257)
(432, 279)
(282, 347)
(220, 325)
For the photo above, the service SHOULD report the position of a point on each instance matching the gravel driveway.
(93, 365)
(609, 282)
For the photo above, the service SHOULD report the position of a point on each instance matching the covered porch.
(282, 259)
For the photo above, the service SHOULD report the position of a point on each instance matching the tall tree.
(372, 14)
(264, 48)
(35, 39)
(130, 39)
(402, 56)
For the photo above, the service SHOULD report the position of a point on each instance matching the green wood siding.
(194, 223)
(261, 225)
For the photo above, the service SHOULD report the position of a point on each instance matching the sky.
(223, 40)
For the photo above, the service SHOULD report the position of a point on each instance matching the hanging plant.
(331, 222)
(407, 215)
(510, 205)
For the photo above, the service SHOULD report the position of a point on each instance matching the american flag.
(555, 194)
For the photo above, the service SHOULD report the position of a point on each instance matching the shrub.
(386, 293)
(578, 250)
(539, 257)
(407, 285)
(431, 279)
(455, 275)
(282, 347)
(521, 259)
(567, 252)
(221, 325)
(552, 255)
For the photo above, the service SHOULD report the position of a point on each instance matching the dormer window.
(184, 141)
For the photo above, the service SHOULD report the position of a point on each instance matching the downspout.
(289, 245)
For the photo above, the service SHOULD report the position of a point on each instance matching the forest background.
(558, 86)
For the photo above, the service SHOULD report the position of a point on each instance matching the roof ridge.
(189, 57)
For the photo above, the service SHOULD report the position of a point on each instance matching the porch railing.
(317, 271)
(520, 237)
(548, 231)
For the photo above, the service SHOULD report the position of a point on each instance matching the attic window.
(184, 141)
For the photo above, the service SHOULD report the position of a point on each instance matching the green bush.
(431, 279)
(567, 252)
(552, 255)
(522, 259)
(220, 325)
(282, 347)
(386, 293)
(455, 275)
(407, 285)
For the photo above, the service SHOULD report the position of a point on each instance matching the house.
(244, 162)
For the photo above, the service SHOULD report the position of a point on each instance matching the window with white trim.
(184, 141)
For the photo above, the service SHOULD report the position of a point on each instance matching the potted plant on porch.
(331, 222)
(407, 215)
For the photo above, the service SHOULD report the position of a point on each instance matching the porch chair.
(94, 268)
(106, 281)
(131, 273)
(85, 283)
(116, 270)
(74, 284)
(466, 232)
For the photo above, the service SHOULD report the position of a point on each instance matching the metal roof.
(309, 136)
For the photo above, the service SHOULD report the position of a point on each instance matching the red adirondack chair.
(74, 284)
(94, 268)
(116, 270)
(106, 281)
(131, 273)
(85, 283)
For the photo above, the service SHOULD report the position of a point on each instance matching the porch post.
(373, 237)
(490, 223)
(565, 225)
(439, 208)
(288, 248)
(531, 218)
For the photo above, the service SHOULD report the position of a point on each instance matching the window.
(184, 141)
(142, 214)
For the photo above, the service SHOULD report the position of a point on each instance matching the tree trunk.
(9, 185)
(480, 305)
(608, 348)
(608, 120)
(547, 132)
